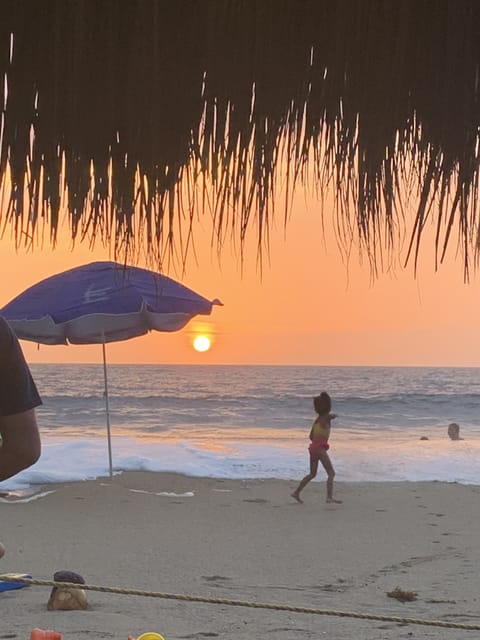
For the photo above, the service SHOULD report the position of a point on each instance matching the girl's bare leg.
(307, 478)
(327, 465)
(303, 483)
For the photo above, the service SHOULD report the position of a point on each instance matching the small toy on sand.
(45, 634)
(12, 582)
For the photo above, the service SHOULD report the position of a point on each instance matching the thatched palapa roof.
(134, 113)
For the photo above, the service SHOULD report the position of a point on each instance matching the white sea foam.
(169, 494)
(18, 498)
(380, 457)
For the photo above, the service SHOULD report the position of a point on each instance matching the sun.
(202, 343)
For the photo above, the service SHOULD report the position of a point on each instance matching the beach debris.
(424, 438)
(401, 595)
(68, 598)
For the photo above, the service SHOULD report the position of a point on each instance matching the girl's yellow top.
(320, 431)
(319, 435)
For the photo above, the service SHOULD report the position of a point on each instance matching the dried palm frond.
(133, 116)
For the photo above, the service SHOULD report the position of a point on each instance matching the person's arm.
(20, 444)
(20, 439)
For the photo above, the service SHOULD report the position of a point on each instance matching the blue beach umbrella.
(102, 302)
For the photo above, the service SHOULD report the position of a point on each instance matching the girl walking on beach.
(319, 434)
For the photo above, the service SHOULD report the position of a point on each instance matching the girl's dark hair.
(322, 403)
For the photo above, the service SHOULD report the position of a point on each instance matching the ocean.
(253, 422)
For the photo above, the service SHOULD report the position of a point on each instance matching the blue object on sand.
(8, 585)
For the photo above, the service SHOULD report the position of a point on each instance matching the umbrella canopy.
(102, 302)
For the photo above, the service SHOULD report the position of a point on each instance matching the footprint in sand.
(216, 581)
(215, 578)
(201, 634)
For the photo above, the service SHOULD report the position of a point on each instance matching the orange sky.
(308, 308)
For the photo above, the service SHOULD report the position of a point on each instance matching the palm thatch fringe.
(137, 114)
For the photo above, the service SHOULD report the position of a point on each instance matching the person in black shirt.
(20, 440)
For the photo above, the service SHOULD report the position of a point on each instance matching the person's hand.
(332, 416)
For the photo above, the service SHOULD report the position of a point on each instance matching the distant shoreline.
(259, 365)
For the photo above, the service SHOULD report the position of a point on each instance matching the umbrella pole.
(107, 408)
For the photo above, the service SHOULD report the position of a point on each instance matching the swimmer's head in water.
(453, 431)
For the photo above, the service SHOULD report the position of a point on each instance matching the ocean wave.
(245, 421)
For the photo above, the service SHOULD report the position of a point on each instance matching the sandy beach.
(244, 540)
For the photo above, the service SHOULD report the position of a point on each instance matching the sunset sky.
(307, 307)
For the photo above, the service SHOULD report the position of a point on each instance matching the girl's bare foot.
(2, 550)
(296, 497)
(334, 501)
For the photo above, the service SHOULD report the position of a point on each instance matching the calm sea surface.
(253, 421)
